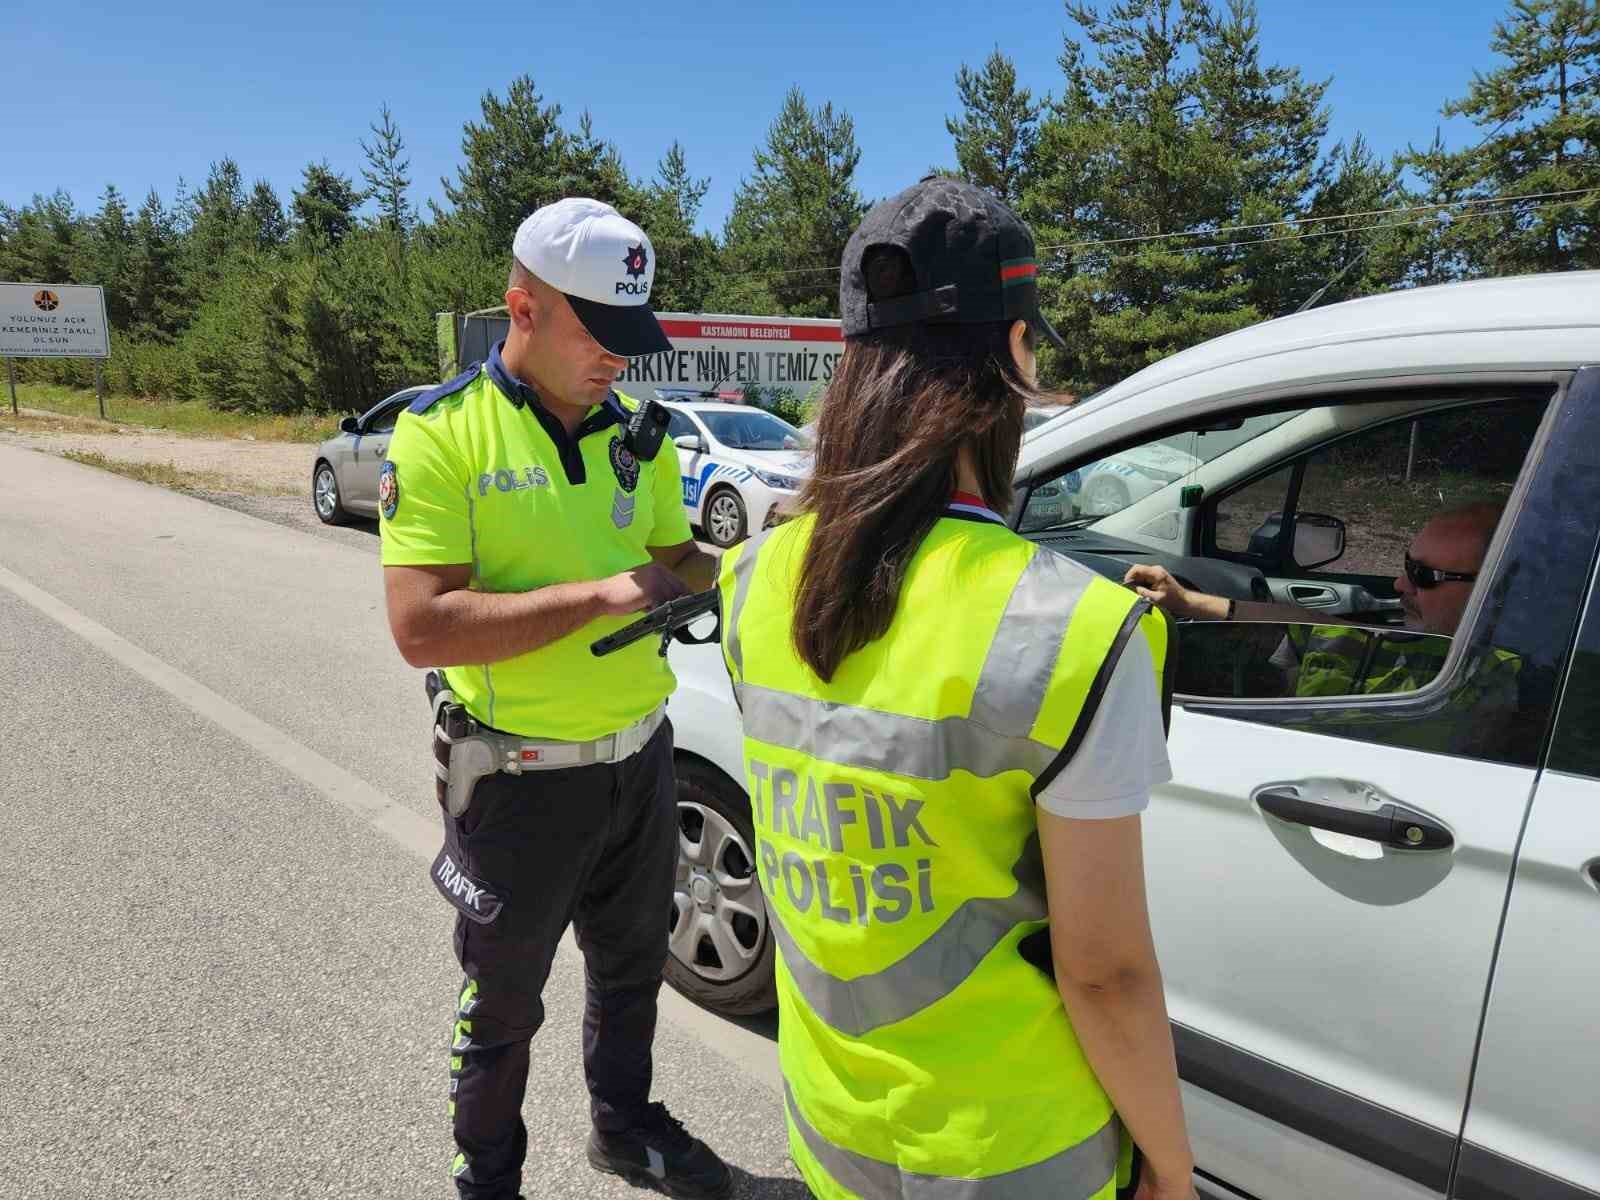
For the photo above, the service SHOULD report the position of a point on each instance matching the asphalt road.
(224, 970)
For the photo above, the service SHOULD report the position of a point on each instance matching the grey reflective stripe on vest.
(743, 572)
(940, 963)
(915, 747)
(1077, 1173)
(1016, 674)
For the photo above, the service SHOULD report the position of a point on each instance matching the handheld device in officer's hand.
(646, 426)
(670, 620)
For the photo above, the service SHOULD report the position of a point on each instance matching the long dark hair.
(902, 404)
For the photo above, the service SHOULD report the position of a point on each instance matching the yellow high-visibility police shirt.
(480, 473)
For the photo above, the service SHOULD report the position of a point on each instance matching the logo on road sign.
(46, 300)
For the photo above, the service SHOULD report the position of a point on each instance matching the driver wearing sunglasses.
(1434, 583)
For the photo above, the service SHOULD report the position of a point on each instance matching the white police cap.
(605, 266)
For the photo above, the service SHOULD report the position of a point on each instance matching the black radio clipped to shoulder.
(644, 429)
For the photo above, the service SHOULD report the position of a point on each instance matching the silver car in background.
(344, 475)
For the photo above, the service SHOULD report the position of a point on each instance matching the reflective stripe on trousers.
(1077, 1173)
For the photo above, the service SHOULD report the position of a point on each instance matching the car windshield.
(1106, 486)
(753, 430)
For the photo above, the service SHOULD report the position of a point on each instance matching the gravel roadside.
(274, 478)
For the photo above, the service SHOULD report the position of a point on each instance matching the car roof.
(1525, 329)
(1551, 320)
(700, 406)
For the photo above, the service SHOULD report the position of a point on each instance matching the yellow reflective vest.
(898, 849)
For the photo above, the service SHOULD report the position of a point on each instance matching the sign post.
(55, 320)
(11, 378)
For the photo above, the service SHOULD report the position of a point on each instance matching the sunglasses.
(1424, 576)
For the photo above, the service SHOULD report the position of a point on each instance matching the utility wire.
(1435, 211)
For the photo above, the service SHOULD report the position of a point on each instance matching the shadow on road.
(766, 1024)
(765, 1187)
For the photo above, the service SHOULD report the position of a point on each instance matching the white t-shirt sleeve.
(1124, 753)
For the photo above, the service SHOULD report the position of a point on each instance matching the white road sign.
(798, 353)
(53, 320)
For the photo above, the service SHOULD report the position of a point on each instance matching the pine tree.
(1272, 123)
(1360, 254)
(386, 178)
(217, 228)
(592, 167)
(267, 226)
(43, 243)
(792, 216)
(154, 282)
(513, 165)
(686, 260)
(1541, 113)
(106, 256)
(1440, 241)
(1168, 136)
(998, 129)
(324, 207)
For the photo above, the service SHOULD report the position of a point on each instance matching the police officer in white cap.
(528, 509)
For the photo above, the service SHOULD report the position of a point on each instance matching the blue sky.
(139, 94)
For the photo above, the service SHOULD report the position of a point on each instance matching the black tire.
(323, 474)
(731, 536)
(701, 785)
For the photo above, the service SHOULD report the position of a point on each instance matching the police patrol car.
(738, 464)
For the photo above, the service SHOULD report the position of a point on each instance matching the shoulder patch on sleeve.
(432, 396)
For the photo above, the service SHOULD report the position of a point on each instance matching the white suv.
(1378, 915)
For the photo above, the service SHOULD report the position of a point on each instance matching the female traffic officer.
(949, 735)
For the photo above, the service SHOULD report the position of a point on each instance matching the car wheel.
(1104, 495)
(725, 519)
(721, 948)
(325, 496)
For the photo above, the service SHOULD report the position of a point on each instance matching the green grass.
(167, 474)
(190, 417)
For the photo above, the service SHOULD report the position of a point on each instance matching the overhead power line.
(1512, 204)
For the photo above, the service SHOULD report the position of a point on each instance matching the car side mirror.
(690, 442)
(1318, 540)
(1274, 660)
(350, 425)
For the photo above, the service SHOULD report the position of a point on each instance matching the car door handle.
(1394, 825)
(1313, 596)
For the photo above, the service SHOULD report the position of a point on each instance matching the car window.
(753, 429)
(1387, 482)
(1092, 491)
(680, 426)
(1576, 746)
(1365, 513)
(386, 420)
(1247, 520)
(1272, 660)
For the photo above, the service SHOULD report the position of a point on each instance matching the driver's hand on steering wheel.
(1157, 585)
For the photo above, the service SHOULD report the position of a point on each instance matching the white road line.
(416, 834)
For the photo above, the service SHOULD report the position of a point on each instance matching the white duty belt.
(515, 754)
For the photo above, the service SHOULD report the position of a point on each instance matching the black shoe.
(658, 1153)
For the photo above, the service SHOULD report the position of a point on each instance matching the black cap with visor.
(973, 259)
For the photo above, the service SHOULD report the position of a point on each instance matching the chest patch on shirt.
(624, 465)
